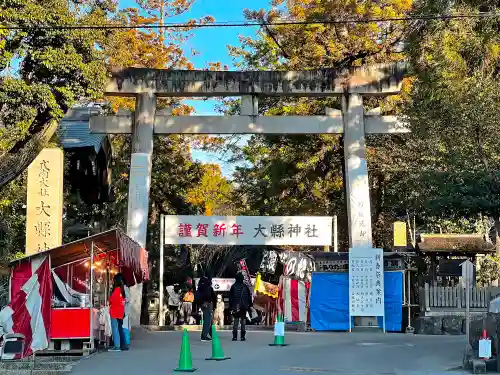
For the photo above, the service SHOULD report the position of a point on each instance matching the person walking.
(117, 314)
(174, 301)
(240, 301)
(206, 299)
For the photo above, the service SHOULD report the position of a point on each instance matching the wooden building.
(443, 254)
(88, 155)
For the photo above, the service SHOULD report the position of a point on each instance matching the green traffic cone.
(217, 352)
(185, 360)
(279, 339)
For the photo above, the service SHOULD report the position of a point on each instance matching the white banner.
(248, 230)
(222, 285)
(366, 282)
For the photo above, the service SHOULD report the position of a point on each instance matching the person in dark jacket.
(206, 299)
(240, 301)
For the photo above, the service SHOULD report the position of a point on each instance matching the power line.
(254, 23)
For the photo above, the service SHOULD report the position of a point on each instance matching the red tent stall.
(59, 297)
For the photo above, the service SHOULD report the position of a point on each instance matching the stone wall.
(455, 325)
(445, 325)
(490, 322)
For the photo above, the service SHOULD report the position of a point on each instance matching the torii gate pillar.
(139, 185)
(356, 172)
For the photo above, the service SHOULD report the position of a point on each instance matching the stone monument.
(44, 201)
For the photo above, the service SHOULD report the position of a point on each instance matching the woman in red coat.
(117, 313)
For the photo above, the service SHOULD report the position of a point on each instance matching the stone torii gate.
(146, 85)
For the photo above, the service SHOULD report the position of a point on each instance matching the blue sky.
(211, 45)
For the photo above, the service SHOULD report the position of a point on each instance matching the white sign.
(467, 273)
(366, 282)
(484, 349)
(279, 329)
(359, 199)
(248, 230)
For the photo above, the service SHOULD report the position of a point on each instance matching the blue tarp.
(329, 302)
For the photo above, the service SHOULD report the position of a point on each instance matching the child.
(219, 311)
(187, 306)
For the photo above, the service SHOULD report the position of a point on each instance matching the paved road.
(320, 353)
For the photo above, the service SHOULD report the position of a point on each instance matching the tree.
(174, 171)
(94, 53)
(12, 218)
(163, 9)
(445, 172)
(488, 270)
(173, 168)
(304, 174)
(320, 45)
(213, 194)
(452, 107)
(45, 71)
(436, 173)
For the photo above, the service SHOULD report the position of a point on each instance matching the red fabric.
(133, 256)
(128, 276)
(70, 323)
(293, 298)
(294, 295)
(31, 303)
(22, 321)
(63, 273)
(20, 274)
(46, 292)
(117, 304)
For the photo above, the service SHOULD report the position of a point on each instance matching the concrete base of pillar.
(135, 305)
